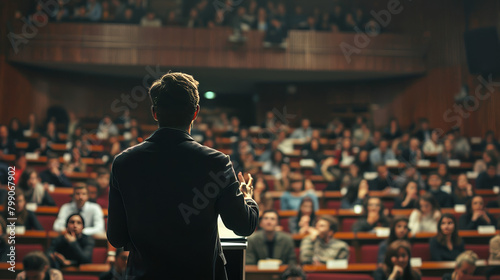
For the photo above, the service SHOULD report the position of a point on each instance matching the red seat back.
(47, 221)
(23, 249)
(370, 253)
(421, 250)
(99, 255)
(482, 250)
(61, 198)
(347, 223)
(327, 276)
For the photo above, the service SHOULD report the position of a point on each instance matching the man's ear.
(153, 112)
(196, 112)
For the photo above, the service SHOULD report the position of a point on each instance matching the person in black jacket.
(24, 216)
(444, 199)
(167, 192)
(446, 245)
(488, 179)
(373, 216)
(476, 215)
(118, 269)
(72, 247)
(53, 174)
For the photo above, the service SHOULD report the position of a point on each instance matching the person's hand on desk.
(246, 188)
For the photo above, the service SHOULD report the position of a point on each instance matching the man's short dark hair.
(332, 221)
(35, 261)
(175, 98)
(271, 211)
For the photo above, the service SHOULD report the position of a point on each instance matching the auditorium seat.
(474, 277)
(47, 221)
(60, 198)
(421, 250)
(329, 276)
(431, 278)
(352, 255)
(297, 254)
(482, 250)
(23, 249)
(388, 204)
(333, 204)
(347, 224)
(99, 255)
(370, 253)
(277, 204)
(285, 224)
(320, 186)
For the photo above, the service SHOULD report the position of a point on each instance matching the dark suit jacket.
(284, 248)
(165, 196)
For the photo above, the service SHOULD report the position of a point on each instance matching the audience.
(269, 243)
(397, 264)
(425, 216)
(37, 266)
(72, 247)
(446, 245)
(465, 264)
(373, 216)
(91, 212)
(320, 245)
(476, 215)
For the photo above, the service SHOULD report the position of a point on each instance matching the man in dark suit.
(166, 194)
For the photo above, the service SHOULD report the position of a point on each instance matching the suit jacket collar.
(169, 134)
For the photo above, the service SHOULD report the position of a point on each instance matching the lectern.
(234, 248)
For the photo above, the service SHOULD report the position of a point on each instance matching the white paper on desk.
(52, 188)
(382, 231)
(269, 264)
(307, 163)
(31, 206)
(476, 140)
(336, 264)
(496, 189)
(31, 156)
(20, 230)
(460, 208)
(392, 162)
(395, 191)
(481, 263)
(27, 133)
(486, 230)
(347, 160)
(67, 157)
(370, 175)
(254, 128)
(416, 262)
(358, 209)
(128, 135)
(493, 262)
(453, 163)
(423, 163)
(446, 189)
(471, 175)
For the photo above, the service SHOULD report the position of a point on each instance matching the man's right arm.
(117, 232)
(239, 213)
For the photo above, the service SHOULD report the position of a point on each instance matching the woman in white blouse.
(425, 217)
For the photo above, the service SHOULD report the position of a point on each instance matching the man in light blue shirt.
(304, 132)
(90, 211)
(380, 155)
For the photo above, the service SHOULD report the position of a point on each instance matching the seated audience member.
(495, 248)
(53, 175)
(488, 179)
(476, 215)
(332, 174)
(352, 177)
(73, 247)
(103, 187)
(381, 154)
(465, 264)
(408, 197)
(52, 133)
(37, 266)
(21, 163)
(320, 245)
(397, 264)
(425, 216)
(150, 20)
(399, 231)
(15, 130)
(305, 217)
(363, 161)
(117, 271)
(314, 151)
(373, 216)
(7, 145)
(424, 132)
(448, 153)
(384, 180)
(24, 216)
(446, 245)
(290, 200)
(106, 128)
(461, 145)
(413, 153)
(91, 212)
(75, 164)
(433, 145)
(33, 189)
(444, 199)
(410, 174)
(489, 138)
(41, 146)
(293, 272)
(304, 132)
(355, 195)
(392, 131)
(481, 165)
(463, 190)
(268, 243)
(273, 165)
(442, 171)
(4, 245)
(264, 201)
